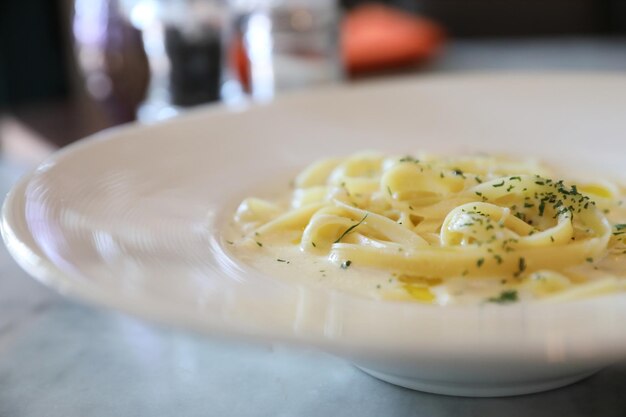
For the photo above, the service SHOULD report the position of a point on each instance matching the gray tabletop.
(60, 358)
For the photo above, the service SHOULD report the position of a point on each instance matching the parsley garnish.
(542, 207)
(351, 228)
(521, 265)
(498, 185)
(480, 262)
(259, 243)
(505, 297)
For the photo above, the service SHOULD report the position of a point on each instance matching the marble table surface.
(59, 358)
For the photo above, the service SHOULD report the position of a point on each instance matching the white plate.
(131, 219)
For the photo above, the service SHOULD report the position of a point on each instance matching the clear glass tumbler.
(290, 44)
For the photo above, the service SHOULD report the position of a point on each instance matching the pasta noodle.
(443, 229)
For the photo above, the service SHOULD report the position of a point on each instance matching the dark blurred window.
(32, 53)
(519, 17)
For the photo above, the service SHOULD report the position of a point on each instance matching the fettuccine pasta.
(439, 230)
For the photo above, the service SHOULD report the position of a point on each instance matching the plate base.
(464, 389)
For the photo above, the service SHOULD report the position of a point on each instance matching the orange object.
(373, 37)
(239, 62)
(378, 37)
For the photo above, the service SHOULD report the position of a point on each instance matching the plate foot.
(465, 389)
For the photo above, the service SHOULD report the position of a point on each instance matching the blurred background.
(69, 68)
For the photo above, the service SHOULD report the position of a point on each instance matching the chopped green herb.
(590, 260)
(313, 244)
(281, 260)
(259, 243)
(542, 207)
(499, 184)
(351, 228)
(346, 264)
(515, 178)
(521, 266)
(389, 191)
(230, 242)
(505, 297)
(480, 262)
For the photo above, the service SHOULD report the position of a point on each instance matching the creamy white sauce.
(290, 263)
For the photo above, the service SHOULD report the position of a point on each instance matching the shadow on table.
(601, 395)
